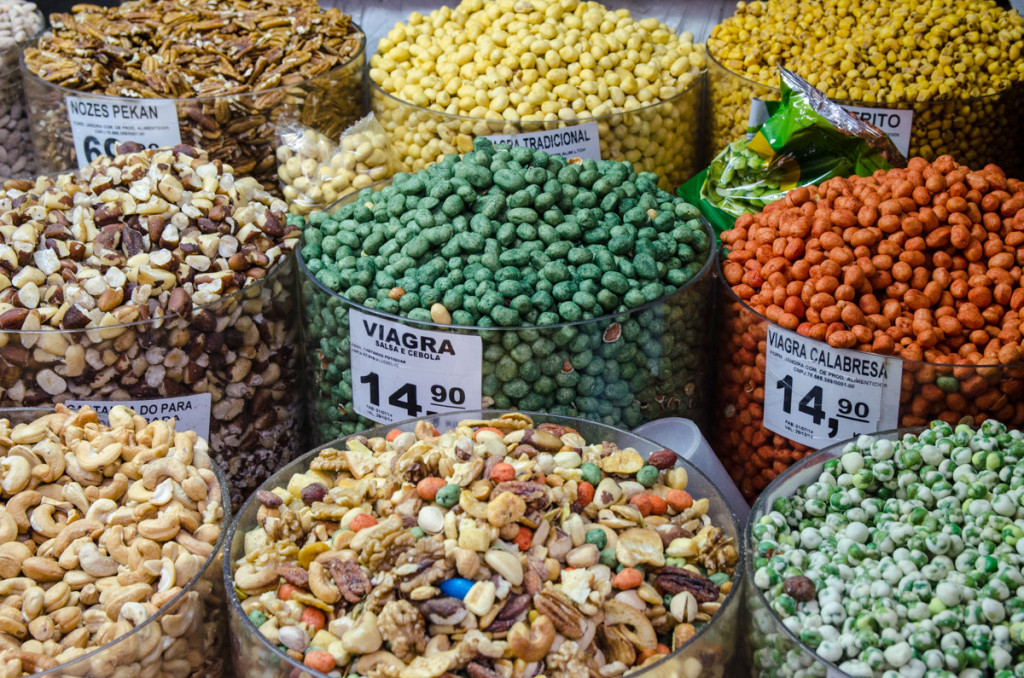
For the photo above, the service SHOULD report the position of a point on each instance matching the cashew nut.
(252, 580)
(156, 471)
(637, 627)
(95, 563)
(12, 555)
(531, 643)
(8, 528)
(193, 545)
(18, 505)
(16, 473)
(29, 434)
(118, 597)
(52, 457)
(79, 474)
(178, 625)
(322, 584)
(138, 493)
(381, 662)
(42, 521)
(184, 444)
(93, 459)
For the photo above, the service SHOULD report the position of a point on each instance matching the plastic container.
(238, 129)
(710, 654)
(775, 651)
(659, 351)
(976, 131)
(166, 644)
(755, 455)
(662, 137)
(231, 365)
(683, 437)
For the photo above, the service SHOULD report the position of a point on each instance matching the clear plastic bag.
(315, 171)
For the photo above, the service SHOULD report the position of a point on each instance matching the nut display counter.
(634, 573)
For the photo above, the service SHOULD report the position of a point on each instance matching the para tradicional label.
(399, 372)
(98, 126)
(818, 395)
(895, 122)
(192, 412)
(578, 141)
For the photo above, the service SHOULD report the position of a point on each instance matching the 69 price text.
(407, 397)
(95, 147)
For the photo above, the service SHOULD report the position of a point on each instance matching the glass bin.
(185, 637)
(662, 137)
(232, 365)
(976, 131)
(621, 369)
(755, 455)
(709, 654)
(238, 129)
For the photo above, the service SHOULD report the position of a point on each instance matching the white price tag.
(400, 372)
(192, 412)
(895, 122)
(98, 126)
(578, 141)
(818, 395)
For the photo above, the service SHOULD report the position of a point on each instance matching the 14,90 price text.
(406, 396)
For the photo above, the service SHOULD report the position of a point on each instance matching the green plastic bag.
(806, 139)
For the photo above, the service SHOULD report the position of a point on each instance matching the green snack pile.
(806, 140)
(520, 240)
(902, 559)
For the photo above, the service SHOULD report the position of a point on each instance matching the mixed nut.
(101, 527)
(923, 263)
(157, 274)
(494, 547)
(587, 283)
(235, 68)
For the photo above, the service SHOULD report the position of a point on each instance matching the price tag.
(399, 372)
(818, 395)
(578, 141)
(98, 126)
(191, 412)
(895, 122)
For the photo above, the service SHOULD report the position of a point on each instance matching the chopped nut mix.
(548, 579)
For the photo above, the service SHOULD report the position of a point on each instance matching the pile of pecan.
(235, 67)
(491, 550)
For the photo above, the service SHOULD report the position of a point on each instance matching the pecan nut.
(673, 580)
(569, 621)
(293, 574)
(350, 579)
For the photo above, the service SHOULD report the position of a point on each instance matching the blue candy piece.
(456, 588)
